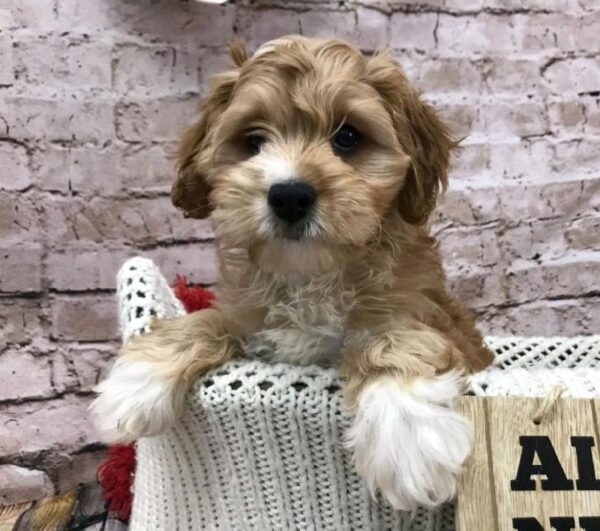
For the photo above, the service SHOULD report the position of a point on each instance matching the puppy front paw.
(135, 401)
(408, 443)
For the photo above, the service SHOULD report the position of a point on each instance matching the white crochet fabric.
(260, 446)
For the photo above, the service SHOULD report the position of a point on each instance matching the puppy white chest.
(304, 325)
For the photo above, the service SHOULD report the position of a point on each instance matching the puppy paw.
(135, 401)
(408, 443)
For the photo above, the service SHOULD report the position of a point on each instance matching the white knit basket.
(260, 446)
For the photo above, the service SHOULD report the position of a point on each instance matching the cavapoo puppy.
(319, 167)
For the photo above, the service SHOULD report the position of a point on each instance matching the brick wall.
(93, 93)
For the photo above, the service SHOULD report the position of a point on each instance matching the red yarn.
(115, 475)
(193, 297)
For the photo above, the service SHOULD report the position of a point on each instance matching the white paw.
(408, 443)
(134, 401)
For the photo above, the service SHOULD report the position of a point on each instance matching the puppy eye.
(345, 139)
(254, 143)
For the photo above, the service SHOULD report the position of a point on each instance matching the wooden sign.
(535, 465)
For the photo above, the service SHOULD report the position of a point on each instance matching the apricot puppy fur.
(319, 168)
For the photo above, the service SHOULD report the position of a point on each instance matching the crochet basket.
(260, 446)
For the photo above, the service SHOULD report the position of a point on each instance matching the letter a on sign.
(549, 466)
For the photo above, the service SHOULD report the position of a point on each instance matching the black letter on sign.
(585, 463)
(558, 523)
(549, 466)
(589, 523)
(527, 524)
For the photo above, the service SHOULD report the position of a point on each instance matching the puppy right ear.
(191, 191)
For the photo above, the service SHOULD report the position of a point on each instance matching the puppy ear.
(190, 192)
(237, 51)
(423, 136)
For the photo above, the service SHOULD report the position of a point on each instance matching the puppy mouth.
(297, 231)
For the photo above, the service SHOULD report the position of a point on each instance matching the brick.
(196, 262)
(212, 62)
(573, 275)
(84, 318)
(59, 425)
(91, 16)
(577, 156)
(464, 5)
(543, 32)
(91, 363)
(19, 220)
(78, 270)
(263, 26)
(544, 318)
(467, 207)
(515, 203)
(591, 111)
(85, 270)
(478, 287)
(20, 485)
(587, 5)
(579, 75)
(403, 4)
(79, 469)
(28, 14)
(7, 73)
(21, 269)
(64, 62)
(553, 199)
(585, 33)
(467, 247)
(524, 161)
(64, 375)
(471, 161)
(583, 233)
(80, 367)
(512, 75)
(325, 24)
(498, 34)
(20, 321)
(153, 70)
(14, 161)
(193, 23)
(25, 376)
(487, 34)
(530, 240)
(372, 29)
(163, 119)
(65, 119)
(506, 119)
(449, 75)
(115, 169)
(459, 114)
(137, 221)
(196, 23)
(566, 117)
(528, 5)
(413, 31)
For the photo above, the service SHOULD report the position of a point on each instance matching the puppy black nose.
(291, 201)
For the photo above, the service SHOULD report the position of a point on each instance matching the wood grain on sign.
(494, 496)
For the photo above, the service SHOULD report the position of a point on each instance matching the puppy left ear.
(423, 136)
(190, 191)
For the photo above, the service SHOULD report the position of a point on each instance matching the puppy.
(320, 167)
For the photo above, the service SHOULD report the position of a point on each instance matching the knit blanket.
(260, 445)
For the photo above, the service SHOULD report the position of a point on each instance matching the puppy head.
(305, 150)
